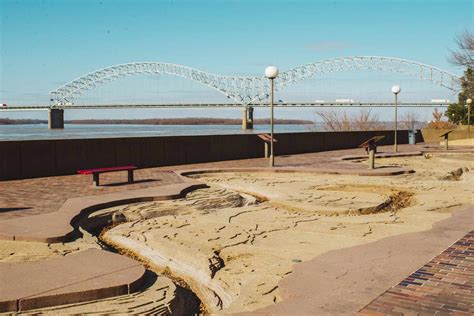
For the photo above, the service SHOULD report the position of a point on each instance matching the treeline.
(186, 121)
(7, 121)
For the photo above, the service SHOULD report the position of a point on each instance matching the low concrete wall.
(431, 135)
(41, 158)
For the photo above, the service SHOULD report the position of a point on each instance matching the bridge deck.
(225, 105)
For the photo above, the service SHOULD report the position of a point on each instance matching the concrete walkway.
(383, 155)
(87, 275)
(344, 281)
(381, 172)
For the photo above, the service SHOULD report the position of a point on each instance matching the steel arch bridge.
(246, 90)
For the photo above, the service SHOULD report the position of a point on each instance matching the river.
(71, 131)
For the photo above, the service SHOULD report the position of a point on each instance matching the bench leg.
(130, 176)
(95, 179)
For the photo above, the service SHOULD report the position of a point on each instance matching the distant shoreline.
(155, 121)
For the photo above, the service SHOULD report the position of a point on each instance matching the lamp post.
(468, 102)
(395, 90)
(271, 72)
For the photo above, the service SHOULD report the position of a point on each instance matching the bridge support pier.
(247, 118)
(56, 119)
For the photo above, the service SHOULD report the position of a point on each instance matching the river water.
(71, 131)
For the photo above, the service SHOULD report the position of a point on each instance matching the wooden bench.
(267, 139)
(370, 146)
(446, 136)
(96, 172)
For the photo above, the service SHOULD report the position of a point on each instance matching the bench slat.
(110, 169)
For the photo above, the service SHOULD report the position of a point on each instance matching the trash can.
(412, 137)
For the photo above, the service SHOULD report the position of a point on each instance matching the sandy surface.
(159, 296)
(21, 251)
(233, 242)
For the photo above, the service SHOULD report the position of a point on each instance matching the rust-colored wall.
(41, 158)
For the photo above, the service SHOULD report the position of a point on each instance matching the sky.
(46, 43)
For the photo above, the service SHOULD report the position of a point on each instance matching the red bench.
(96, 172)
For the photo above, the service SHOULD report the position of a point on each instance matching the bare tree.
(365, 121)
(342, 121)
(464, 55)
(437, 115)
(408, 120)
(334, 121)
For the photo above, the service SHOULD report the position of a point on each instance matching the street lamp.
(271, 72)
(395, 90)
(468, 102)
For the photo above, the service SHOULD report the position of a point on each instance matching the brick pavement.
(444, 285)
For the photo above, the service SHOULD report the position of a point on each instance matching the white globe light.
(469, 101)
(271, 72)
(396, 89)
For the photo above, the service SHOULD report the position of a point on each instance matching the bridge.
(247, 92)
(226, 105)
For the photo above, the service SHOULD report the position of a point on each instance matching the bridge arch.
(247, 90)
(241, 89)
(438, 76)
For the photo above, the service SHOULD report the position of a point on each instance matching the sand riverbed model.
(233, 242)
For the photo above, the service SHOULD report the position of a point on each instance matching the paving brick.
(436, 290)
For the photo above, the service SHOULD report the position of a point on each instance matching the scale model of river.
(232, 243)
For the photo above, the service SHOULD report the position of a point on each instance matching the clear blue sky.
(45, 43)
